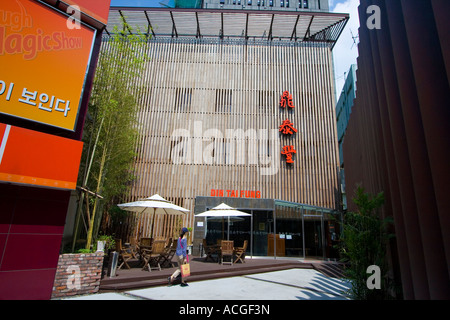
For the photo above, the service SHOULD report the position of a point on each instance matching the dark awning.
(223, 23)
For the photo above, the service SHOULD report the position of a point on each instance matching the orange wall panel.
(31, 157)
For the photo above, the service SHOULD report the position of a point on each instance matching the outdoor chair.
(154, 255)
(133, 248)
(169, 252)
(210, 250)
(226, 250)
(240, 252)
(144, 244)
(124, 255)
(169, 242)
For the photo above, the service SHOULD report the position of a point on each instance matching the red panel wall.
(32, 219)
(31, 228)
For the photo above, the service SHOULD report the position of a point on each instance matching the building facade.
(397, 139)
(343, 111)
(238, 107)
(288, 5)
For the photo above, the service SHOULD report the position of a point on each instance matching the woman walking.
(181, 254)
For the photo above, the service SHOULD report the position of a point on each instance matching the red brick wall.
(78, 274)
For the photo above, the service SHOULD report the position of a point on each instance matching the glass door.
(314, 234)
(263, 231)
(289, 232)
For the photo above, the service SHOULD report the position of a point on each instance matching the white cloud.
(345, 51)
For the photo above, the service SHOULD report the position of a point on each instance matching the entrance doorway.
(276, 229)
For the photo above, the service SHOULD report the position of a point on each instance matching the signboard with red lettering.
(287, 127)
(235, 193)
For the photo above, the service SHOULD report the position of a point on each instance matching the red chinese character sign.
(286, 100)
(287, 127)
(288, 151)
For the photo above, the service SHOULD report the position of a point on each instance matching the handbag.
(185, 268)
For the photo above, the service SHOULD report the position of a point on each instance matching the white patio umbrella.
(221, 211)
(155, 205)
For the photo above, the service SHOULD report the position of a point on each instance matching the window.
(305, 4)
(282, 3)
(178, 150)
(183, 97)
(249, 2)
(287, 3)
(266, 101)
(271, 3)
(223, 100)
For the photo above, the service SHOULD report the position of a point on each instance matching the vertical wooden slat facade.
(201, 98)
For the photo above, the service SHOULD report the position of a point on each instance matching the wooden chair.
(240, 252)
(169, 242)
(133, 248)
(144, 244)
(124, 255)
(169, 252)
(210, 250)
(154, 255)
(226, 250)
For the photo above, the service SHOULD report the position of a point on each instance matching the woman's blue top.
(181, 247)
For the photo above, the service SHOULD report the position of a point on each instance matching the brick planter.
(77, 274)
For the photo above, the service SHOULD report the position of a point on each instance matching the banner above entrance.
(236, 193)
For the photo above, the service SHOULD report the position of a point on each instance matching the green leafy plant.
(364, 241)
(84, 251)
(111, 130)
(110, 242)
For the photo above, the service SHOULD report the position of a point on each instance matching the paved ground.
(293, 284)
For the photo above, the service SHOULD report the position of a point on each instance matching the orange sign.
(289, 151)
(287, 127)
(286, 100)
(236, 193)
(43, 63)
(97, 9)
(31, 157)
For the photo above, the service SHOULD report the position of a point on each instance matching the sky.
(345, 51)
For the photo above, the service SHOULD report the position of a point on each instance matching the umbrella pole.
(228, 228)
(223, 228)
(153, 222)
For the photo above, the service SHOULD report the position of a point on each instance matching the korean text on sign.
(43, 101)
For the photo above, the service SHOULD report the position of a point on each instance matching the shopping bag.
(185, 270)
